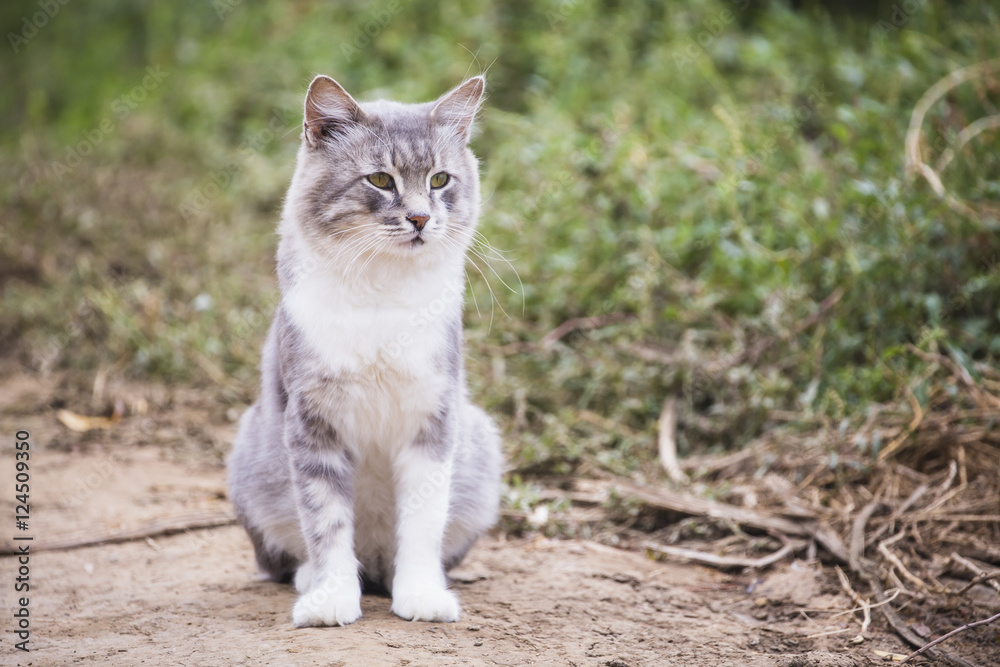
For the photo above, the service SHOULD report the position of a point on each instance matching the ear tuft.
(329, 108)
(458, 108)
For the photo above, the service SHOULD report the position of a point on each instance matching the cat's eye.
(439, 179)
(380, 180)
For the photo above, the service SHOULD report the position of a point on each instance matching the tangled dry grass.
(914, 528)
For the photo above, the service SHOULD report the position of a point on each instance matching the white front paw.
(435, 604)
(328, 605)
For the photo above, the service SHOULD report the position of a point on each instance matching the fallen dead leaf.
(895, 657)
(83, 423)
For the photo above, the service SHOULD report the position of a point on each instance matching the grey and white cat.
(363, 456)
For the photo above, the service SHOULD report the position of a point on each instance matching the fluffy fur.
(363, 456)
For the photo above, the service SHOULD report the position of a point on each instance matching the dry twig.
(582, 323)
(918, 416)
(687, 504)
(569, 326)
(967, 626)
(864, 604)
(982, 577)
(724, 561)
(213, 518)
(883, 548)
(668, 441)
(914, 161)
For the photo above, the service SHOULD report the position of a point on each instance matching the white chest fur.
(384, 347)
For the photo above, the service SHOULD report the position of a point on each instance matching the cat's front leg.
(423, 482)
(323, 479)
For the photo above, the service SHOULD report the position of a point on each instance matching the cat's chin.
(415, 245)
(422, 252)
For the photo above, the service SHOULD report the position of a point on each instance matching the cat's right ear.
(329, 108)
(457, 109)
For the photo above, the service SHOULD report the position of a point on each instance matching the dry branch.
(569, 326)
(967, 626)
(918, 417)
(865, 605)
(582, 323)
(724, 561)
(914, 160)
(668, 441)
(883, 548)
(981, 576)
(965, 136)
(686, 504)
(213, 518)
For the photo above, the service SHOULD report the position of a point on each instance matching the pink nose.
(418, 221)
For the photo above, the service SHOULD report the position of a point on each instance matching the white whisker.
(496, 255)
(475, 301)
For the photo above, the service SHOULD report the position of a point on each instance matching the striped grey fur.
(363, 455)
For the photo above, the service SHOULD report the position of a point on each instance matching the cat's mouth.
(411, 240)
(415, 241)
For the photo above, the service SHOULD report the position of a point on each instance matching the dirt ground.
(193, 598)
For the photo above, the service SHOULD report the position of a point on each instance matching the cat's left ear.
(458, 108)
(328, 108)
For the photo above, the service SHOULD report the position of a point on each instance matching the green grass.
(715, 193)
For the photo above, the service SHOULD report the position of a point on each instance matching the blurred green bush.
(713, 169)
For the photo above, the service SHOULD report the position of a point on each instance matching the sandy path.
(193, 598)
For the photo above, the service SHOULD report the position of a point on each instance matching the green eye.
(380, 180)
(439, 179)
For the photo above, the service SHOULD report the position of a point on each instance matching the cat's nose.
(418, 220)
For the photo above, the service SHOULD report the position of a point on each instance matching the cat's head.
(384, 178)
